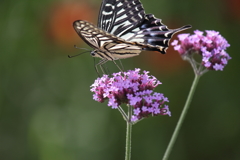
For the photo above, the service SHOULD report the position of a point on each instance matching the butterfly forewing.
(107, 45)
(118, 17)
(88, 33)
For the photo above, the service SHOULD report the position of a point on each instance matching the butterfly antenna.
(77, 54)
(81, 48)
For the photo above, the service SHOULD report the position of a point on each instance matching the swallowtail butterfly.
(124, 30)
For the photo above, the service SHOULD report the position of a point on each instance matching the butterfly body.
(124, 30)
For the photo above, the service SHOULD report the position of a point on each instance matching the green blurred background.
(46, 107)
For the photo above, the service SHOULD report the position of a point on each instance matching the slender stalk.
(125, 117)
(128, 134)
(181, 119)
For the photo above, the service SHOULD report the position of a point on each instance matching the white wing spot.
(166, 34)
(119, 4)
(122, 17)
(136, 30)
(122, 10)
(107, 13)
(127, 36)
(139, 15)
(139, 35)
(104, 38)
(110, 5)
(140, 40)
(165, 41)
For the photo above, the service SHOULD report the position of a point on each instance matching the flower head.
(134, 89)
(211, 47)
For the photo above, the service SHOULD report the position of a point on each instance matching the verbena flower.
(134, 89)
(211, 47)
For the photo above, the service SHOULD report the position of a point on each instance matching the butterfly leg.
(106, 69)
(95, 66)
(100, 63)
(121, 64)
(118, 65)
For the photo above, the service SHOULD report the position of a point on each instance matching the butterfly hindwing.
(154, 34)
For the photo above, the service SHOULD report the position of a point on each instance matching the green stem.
(128, 134)
(125, 117)
(181, 119)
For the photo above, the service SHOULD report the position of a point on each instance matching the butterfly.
(124, 30)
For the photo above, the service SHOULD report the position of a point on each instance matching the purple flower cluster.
(134, 89)
(211, 47)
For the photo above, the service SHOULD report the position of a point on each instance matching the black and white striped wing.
(106, 45)
(127, 19)
(118, 17)
(153, 33)
(89, 34)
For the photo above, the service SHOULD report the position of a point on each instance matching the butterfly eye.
(93, 53)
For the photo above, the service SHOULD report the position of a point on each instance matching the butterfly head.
(104, 55)
(95, 53)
